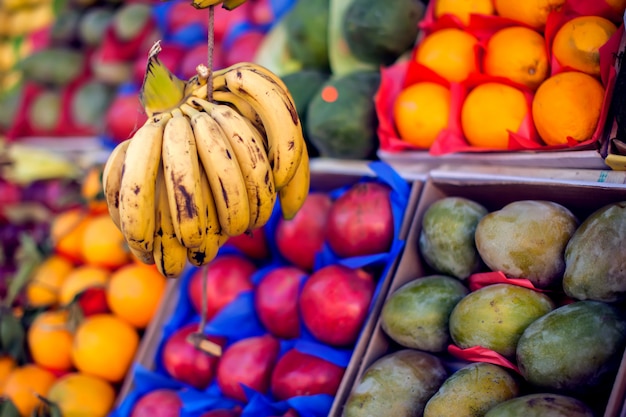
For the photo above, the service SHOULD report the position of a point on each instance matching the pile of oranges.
(518, 77)
(79, 353)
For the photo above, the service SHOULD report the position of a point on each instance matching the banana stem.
(211, 41)
(188, 110)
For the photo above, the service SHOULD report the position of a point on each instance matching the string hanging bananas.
(205, 168)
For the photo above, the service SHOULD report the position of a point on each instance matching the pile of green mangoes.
(563, 331)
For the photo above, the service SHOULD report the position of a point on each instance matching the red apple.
(262, 13)
(254, 245)
(299, 239)
(125, 115)
(298, 373)
(360, 222)
(158, 403)
(228, 276)
(243, 48)
(249, 362)
(185, 363)
(222, 412)
(199, 55)
(276, 301)
(334, 303)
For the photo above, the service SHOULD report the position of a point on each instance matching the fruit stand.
(311, 208)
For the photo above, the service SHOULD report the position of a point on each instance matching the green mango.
(595, 257)
(446, 240)
(416, 315)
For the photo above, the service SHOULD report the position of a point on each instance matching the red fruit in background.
(158, 403)
(185, 363)
(222, 413)
(93, 301)
(10, 193)
(334, 303)
(249, 362)
(254, 246)
(243, 48)
(276, 301)
(300, 238)
(298, 373)
(262, 13)
(360, 222)
(181, 15)
(199, 55)
(171, 56)
(124, 116)
(228, 276)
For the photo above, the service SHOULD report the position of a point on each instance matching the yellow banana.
(293, 195)
(223, 171)
(204, 4)
(169, 255)
(232, 4)
(181, 170)
(243, 107)
(214, 237)
(112, 180)
(280, 119)
(136, 198)
(249, 150)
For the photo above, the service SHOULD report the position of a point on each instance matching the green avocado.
(380, 31)
(307, 33)
(341, 119)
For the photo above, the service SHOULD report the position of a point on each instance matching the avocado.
(379, 32)
(341, 119)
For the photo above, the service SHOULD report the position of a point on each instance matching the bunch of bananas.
(226, 4)
(208, 163)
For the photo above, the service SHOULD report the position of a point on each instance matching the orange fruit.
(79, 394)
(134, 293)
(421, 111)
(45, 283)
(7, 364)
(463, 8)
(618, 7)
(24, 383)
(448, 52)
(104, 346)
(533, 13)
(66, 233)
(50, 340)
(567, 104)
(80, 279)
(577, 43)
(518, 54)
(104, 244)
(91, 190)
(489, 112)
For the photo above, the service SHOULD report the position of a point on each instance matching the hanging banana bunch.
(209, 163)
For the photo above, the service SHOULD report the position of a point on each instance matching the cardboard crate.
(326, 175)
(582, 191)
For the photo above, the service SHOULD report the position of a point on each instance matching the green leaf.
(12, 335)
(8, 409)
(30, 258)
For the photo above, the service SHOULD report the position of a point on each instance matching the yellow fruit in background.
(104, 346)
(577, 43)
(567, 104)
(463, 8)
(80, 279)
(24, 383)
(421, 111)
(489, 112)
(7, 364)
(518, 54)
(134, 293)
(78, 394)
(50, 340)
(103, 243)
(44, 286)
(450, 53)
(533, 13)
(91, 190)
